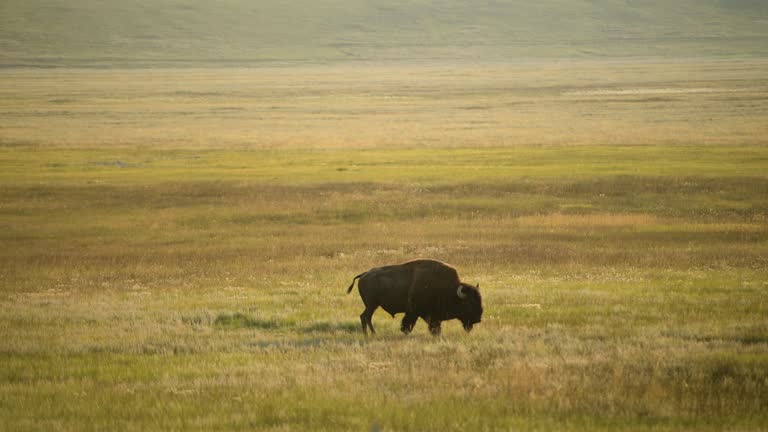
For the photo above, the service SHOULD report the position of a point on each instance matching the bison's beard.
(468, 327)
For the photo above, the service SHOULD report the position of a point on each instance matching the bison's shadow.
(314, 333)
(238, 320)
(330, 327)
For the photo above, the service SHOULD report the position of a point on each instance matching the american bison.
(426, 289)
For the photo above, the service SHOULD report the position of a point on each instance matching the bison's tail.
(349, 290)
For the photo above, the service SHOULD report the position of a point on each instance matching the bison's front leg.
(434, 319)
(409, 320)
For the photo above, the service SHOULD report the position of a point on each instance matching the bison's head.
(470, 305)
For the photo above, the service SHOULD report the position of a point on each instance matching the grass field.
(176, 246)
(353, 106)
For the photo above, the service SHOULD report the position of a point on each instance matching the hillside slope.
(109, 32)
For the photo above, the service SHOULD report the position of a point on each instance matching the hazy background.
(177, 32)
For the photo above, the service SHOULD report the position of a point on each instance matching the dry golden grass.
(370, 105)
(592, 220)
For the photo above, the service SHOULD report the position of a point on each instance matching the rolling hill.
(182, 32)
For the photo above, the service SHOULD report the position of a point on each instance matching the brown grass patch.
(588, 220)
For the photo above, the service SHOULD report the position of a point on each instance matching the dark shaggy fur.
(426, 289)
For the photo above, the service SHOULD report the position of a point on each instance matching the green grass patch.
(675, 169)
(206, 289)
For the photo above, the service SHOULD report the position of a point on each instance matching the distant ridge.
(237, 32)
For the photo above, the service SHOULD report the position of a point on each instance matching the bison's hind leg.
(365, 319)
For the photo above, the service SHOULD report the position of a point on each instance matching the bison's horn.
(460, 293)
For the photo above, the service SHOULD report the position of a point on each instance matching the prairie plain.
(176, 245)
